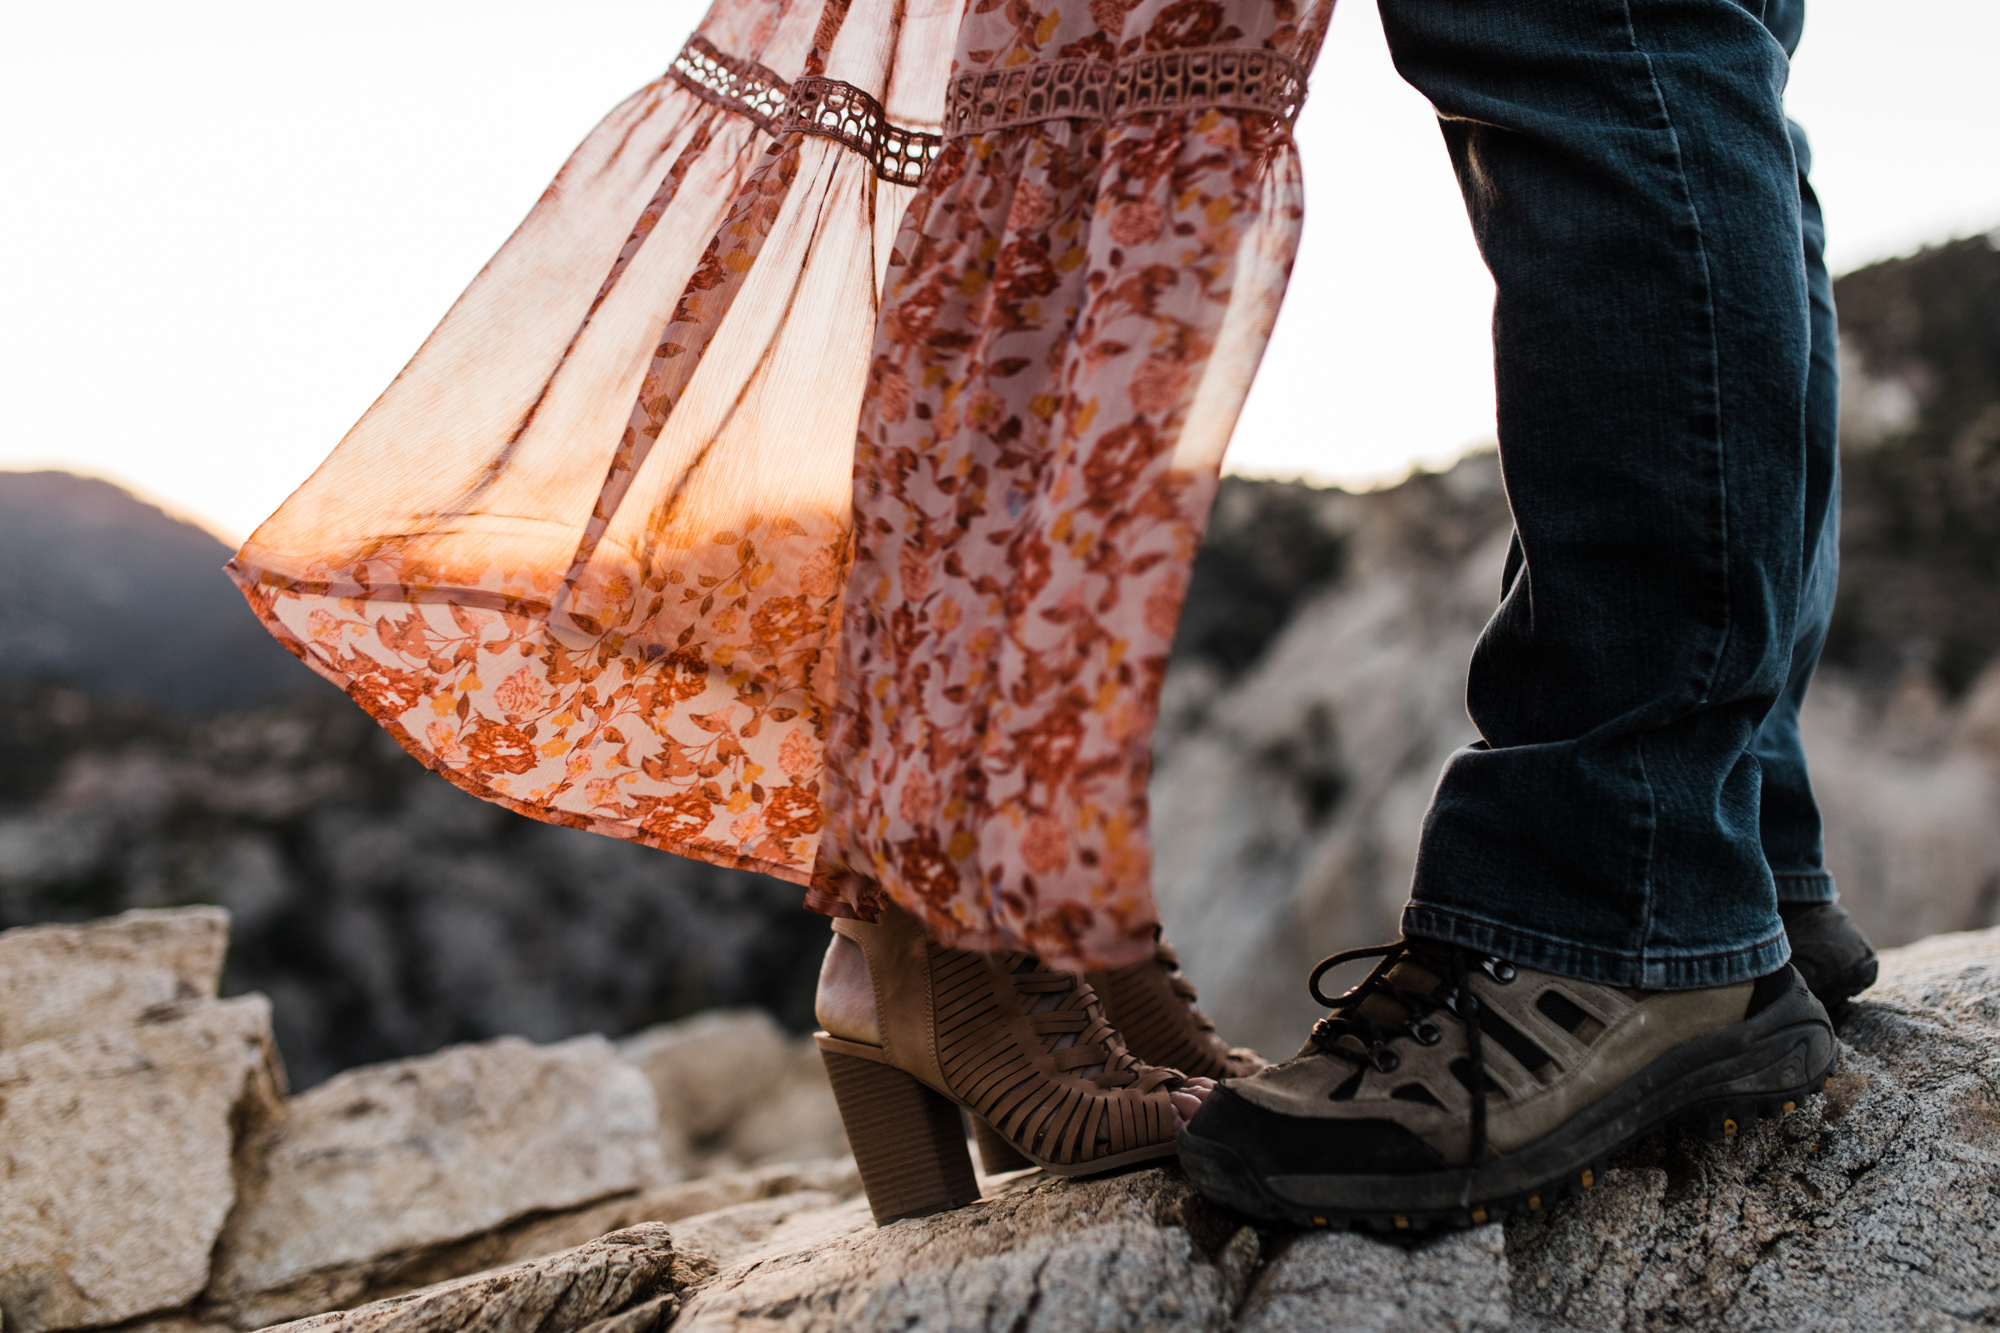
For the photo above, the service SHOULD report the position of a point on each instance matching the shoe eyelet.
(1385, 1059)
(1499, 969)
(1426, 1032)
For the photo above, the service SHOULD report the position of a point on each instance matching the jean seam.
(1706, 682)
(1652, 838)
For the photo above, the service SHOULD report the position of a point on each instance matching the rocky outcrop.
(125, 1089)
(621, 1283)
(149, 1168)
(1134, 1251)
(1346, 1281)
(1871, 1209)
(734, 1201)
(735, 1090)
(404, 1157)
(505, 1186)
(56, 981)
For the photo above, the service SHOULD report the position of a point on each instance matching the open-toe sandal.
(1154, 1007)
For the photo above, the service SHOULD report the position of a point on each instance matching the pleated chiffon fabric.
(584, 554)
(606, 552)
(1073, 317)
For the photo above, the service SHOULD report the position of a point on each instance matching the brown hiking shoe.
(1829, 951)
(1450, 1088)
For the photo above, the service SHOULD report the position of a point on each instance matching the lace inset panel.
(844, 112)
(1240, 78)
(730, 82)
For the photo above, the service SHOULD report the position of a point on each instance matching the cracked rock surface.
(1872, 1208)
(125, 1089)
(620, 1283)
(405, 1156)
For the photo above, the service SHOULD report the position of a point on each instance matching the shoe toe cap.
(1272, 1142)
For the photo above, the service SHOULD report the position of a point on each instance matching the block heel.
(909, 1142)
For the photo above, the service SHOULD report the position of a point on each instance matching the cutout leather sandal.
(1154, 1006)
(1027, 1051)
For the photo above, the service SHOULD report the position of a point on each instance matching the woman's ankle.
(845, 1001)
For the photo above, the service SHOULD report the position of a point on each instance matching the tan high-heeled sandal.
(956, 1030)
(1153, 1004)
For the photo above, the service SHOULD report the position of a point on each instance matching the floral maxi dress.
(613, 552)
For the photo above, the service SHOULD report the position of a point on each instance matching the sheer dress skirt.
(613, 551)
(1074, 312)
(584, 556)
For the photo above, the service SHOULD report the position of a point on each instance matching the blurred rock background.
(157, 749)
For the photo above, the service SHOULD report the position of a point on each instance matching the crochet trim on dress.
(730, 82)
(811, 105)
(844, 112)
(1240, 78)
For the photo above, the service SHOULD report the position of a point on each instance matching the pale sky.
(229, 222)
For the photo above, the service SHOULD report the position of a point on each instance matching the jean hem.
(1604, 967)
(1805, 886)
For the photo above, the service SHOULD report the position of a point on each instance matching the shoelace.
(1346, 1022)
(1080, 1013)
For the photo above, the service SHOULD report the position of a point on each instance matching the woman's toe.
(1188, 1097)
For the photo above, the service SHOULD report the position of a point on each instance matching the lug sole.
(1717, 1098)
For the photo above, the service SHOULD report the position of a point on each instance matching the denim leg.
(1789, 818)
(1631, 182)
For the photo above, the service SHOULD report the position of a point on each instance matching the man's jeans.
(1664, 358)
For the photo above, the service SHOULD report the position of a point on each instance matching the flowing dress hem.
(708, 852)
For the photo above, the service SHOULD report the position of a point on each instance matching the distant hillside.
(1920, 442)
(103, 591)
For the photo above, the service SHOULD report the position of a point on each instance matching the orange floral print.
(1072, 315)
(585, 556)
(738, 510)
